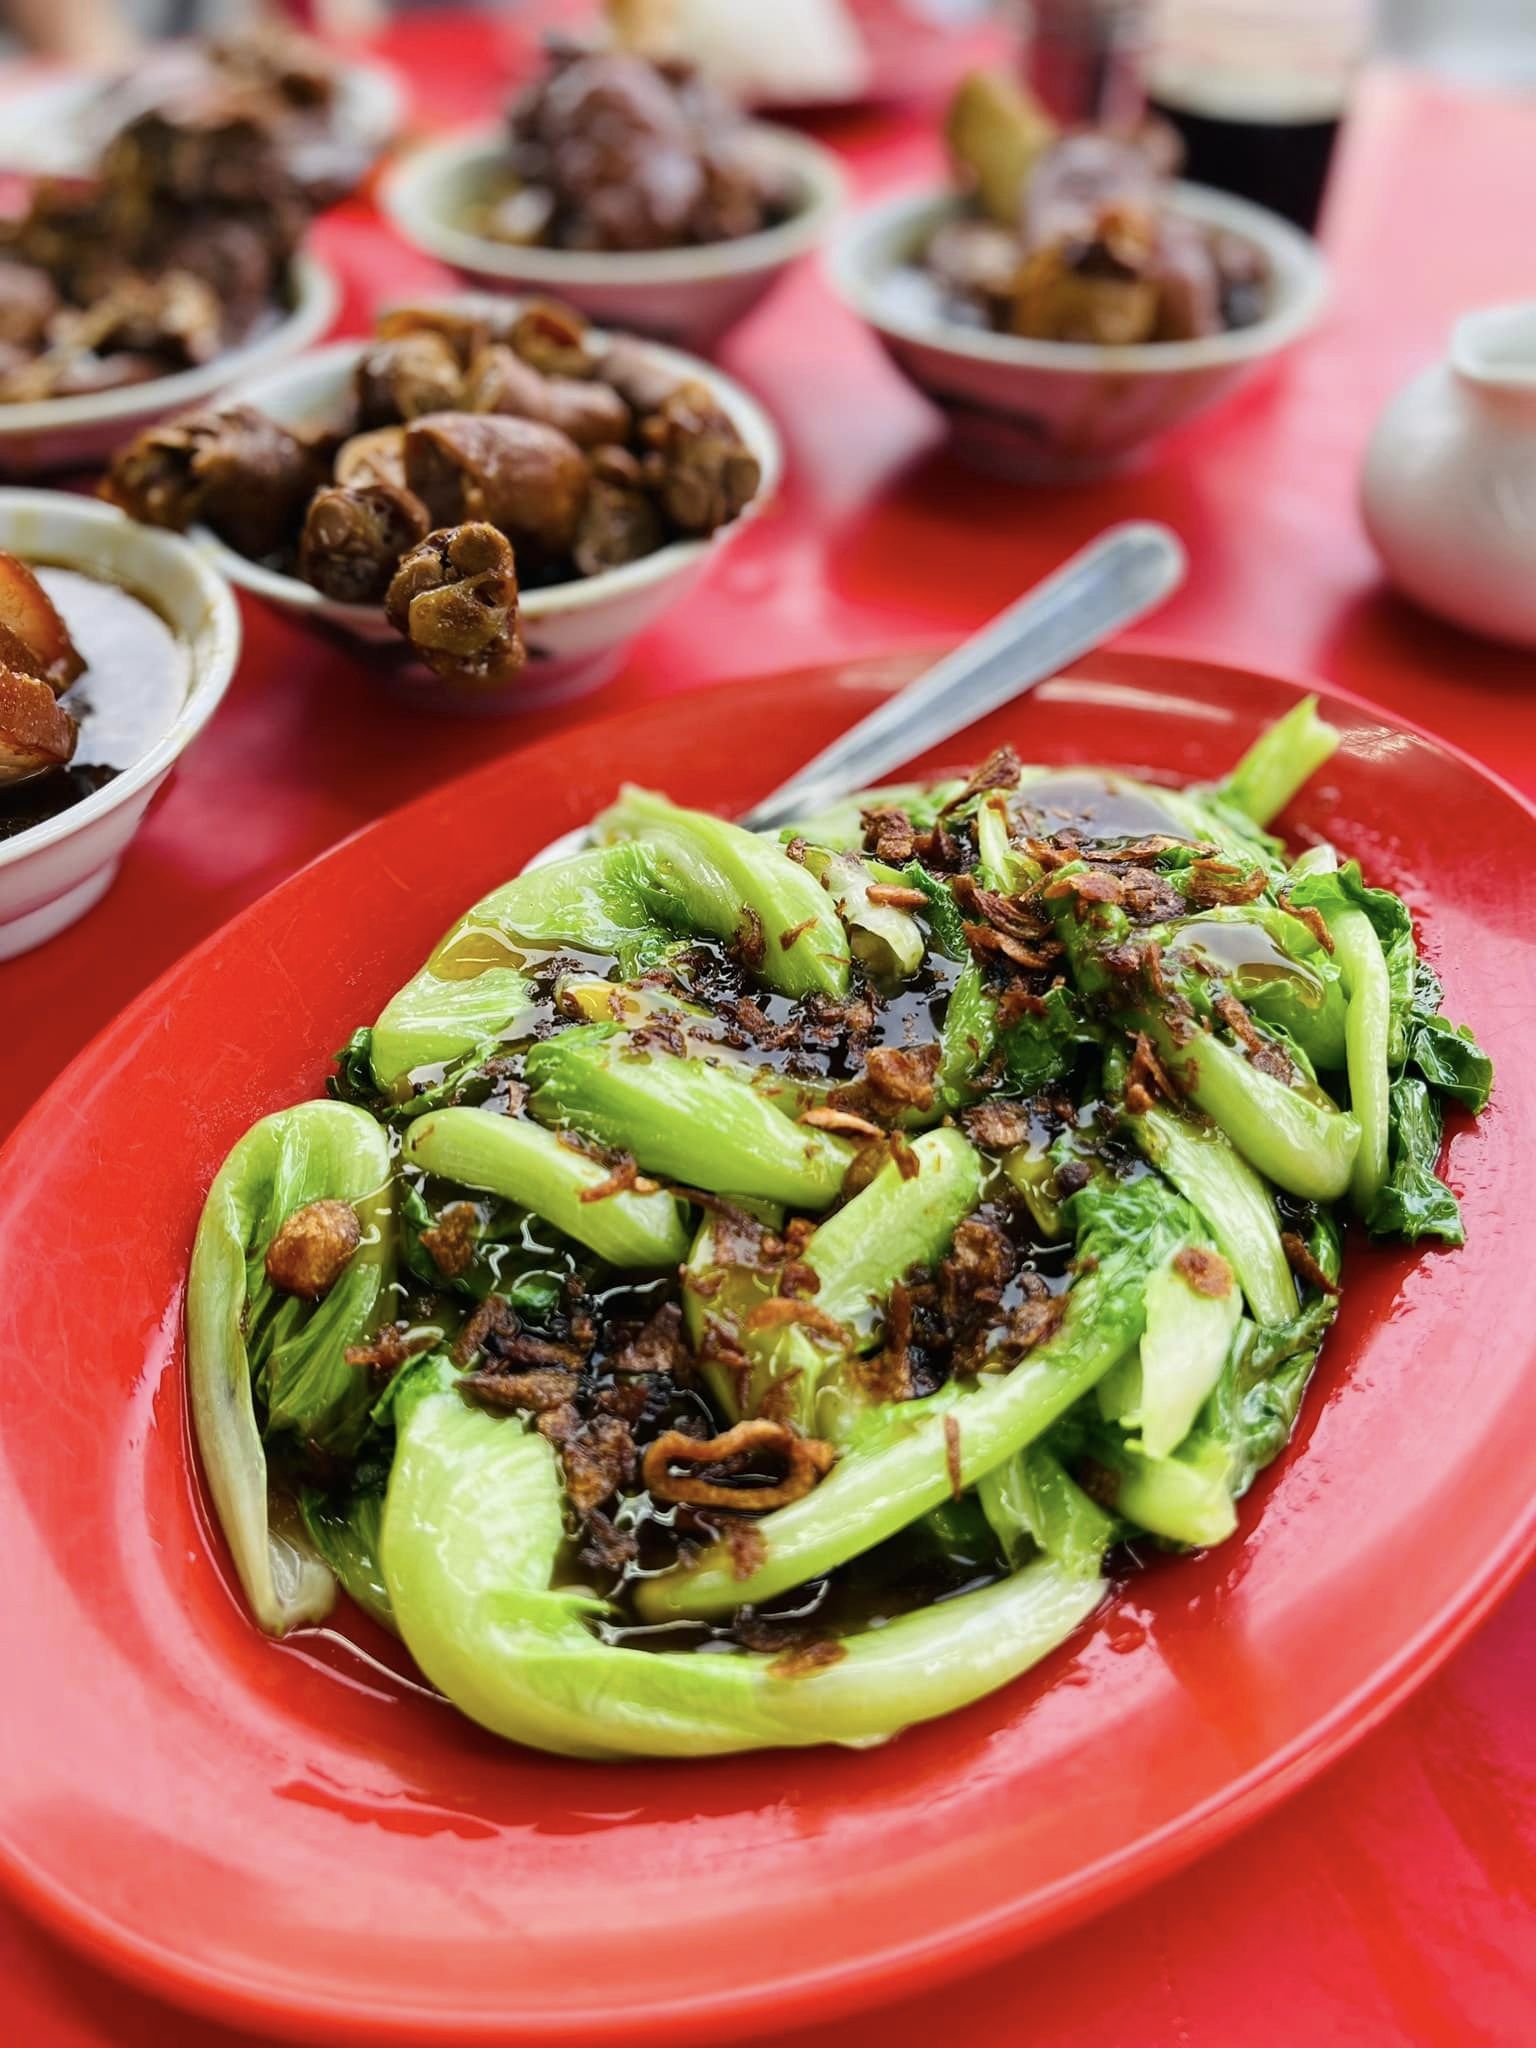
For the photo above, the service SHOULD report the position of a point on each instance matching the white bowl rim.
(402, 200)
(315, 300)
(551, 600)
(1293, 254)
(210, 677)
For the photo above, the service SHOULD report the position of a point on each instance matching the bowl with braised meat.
(334, 116)
(170, 265)
(116, 645)
(1067, 299)
(491, 488)
(628, 187)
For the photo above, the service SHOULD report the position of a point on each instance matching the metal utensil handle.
(1117, 579)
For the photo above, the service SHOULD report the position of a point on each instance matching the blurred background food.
(200, 169)
(1075, 234)
(1256, 88)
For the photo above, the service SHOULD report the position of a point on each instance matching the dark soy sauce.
(135, 683)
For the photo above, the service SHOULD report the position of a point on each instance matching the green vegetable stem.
(262, 1364)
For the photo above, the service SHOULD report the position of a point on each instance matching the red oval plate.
(300, 1838)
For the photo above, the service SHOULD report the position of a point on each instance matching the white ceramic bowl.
(689, 296)
(1051, 410)
(67, 433)
(54, 872)
(576, 632)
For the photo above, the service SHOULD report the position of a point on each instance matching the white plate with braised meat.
(630, 188)
(490, 488)
(1067, 299)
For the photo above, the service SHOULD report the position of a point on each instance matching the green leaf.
(1450, 1059)
(945, 923)
(1042, 1047)
(345, 1531)
(353, 1079)
(1414, 1202)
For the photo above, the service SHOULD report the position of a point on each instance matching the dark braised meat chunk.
(553, 339)
(36, 733)
(610, 151)
(176, 314)
(34, 639)
(619, 522)
(373, 458)
(519, 475)
(522, 434)
(240, 472)
(977, 264)
(354, 537)
(644, 383)
(406, 376)
(696, 461)
(455, 599)
(502, 381)
(242, 260)
(221, 147)
(465, 333)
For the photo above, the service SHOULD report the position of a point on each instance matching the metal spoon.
(1126, 573)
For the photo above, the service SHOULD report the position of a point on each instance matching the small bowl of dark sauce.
(92, 721)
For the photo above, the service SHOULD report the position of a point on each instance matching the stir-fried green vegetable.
(819, 1251)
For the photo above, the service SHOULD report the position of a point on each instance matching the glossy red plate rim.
(872, 1976)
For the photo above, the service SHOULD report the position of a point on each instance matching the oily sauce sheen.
(133, 688)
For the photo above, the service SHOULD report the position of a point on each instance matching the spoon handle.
(1118, 578)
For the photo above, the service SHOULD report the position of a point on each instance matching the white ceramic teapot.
(1449, 485)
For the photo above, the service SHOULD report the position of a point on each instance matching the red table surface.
(1395, 1900)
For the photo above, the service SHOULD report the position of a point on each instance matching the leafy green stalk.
(705, 875)
(1232, 1200)
(1033, 1504)
(1302, 1142)
(687, 1119)
(887, 941)
(474, 986)
(1185, 1498)
(966, 1039)
(1192, 1308)
(1366, 1033)
(242, 1339)
(1189, 1496)
(524, 1163)
(898, 1222)
(473, 1530)
(1283, 757)
(909, 1455)
(1274, 966)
